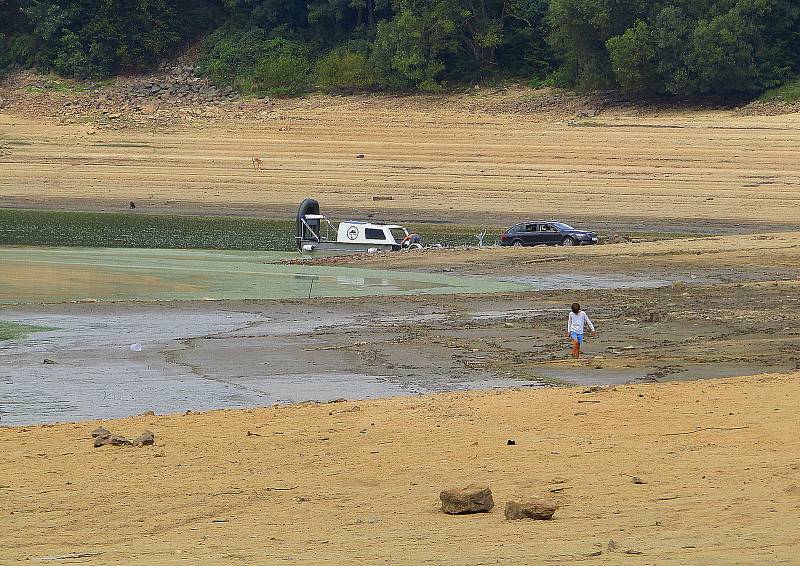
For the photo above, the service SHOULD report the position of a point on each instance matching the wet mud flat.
(230, 354)
(700, 307)
(112, 360)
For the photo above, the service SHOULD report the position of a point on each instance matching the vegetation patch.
(789, 92)
(16, 331)
(92, 229)
(117, 230)
(124, 144)
(55, 84)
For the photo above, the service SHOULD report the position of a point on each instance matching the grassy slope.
(789, 92)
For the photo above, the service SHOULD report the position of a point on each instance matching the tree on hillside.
(677, 47)
(95, 38)
(662, 47)
(16, 45)
(579, 32)
(461, 39)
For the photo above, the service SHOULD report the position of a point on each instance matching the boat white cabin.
(352, 236)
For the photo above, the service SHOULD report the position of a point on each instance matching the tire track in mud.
(173, 357)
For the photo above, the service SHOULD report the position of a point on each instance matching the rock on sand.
(147, 438)
(542, 509)
(471, 499)
(111, 439)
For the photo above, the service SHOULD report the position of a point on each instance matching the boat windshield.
(399, 234)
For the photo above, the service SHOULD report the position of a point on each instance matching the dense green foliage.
(788, 92)
(653, 47)
(677, 47)
(254, 62)
(135, 230)
(16, 47)
(98, 38)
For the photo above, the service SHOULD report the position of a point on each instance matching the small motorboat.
(352, 236)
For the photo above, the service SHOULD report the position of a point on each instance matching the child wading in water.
(575, 323)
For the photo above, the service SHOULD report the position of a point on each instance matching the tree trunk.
(371, 13)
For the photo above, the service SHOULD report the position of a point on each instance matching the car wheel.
(517, 243)
(568, 241)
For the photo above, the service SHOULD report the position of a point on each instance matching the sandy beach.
(359, 482)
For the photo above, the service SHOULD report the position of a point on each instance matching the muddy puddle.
(101, 395)
(105, 393)
(235, 354)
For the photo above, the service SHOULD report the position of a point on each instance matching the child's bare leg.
(576, 349)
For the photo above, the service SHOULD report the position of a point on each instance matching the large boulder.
(542, 509)
(471, 499)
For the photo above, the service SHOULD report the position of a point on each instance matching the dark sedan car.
(537, 232)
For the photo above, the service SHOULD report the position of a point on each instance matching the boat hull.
(309, 246)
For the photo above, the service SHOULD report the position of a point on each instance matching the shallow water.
(109, 392)
(50, 275)
(103, 395)
(98, 376)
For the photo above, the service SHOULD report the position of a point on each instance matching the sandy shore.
(349, 482)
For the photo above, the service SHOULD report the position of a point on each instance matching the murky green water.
(47, 275)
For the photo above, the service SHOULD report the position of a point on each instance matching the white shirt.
(577, 321)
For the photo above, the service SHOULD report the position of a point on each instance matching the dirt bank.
(346, 482)
(758, 256)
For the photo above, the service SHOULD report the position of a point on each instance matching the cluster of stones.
(177, 83)
(478, 499)
(103, 437)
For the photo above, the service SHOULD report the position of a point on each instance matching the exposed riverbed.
(372, 331)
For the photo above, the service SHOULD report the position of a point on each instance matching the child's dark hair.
(576, 308)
